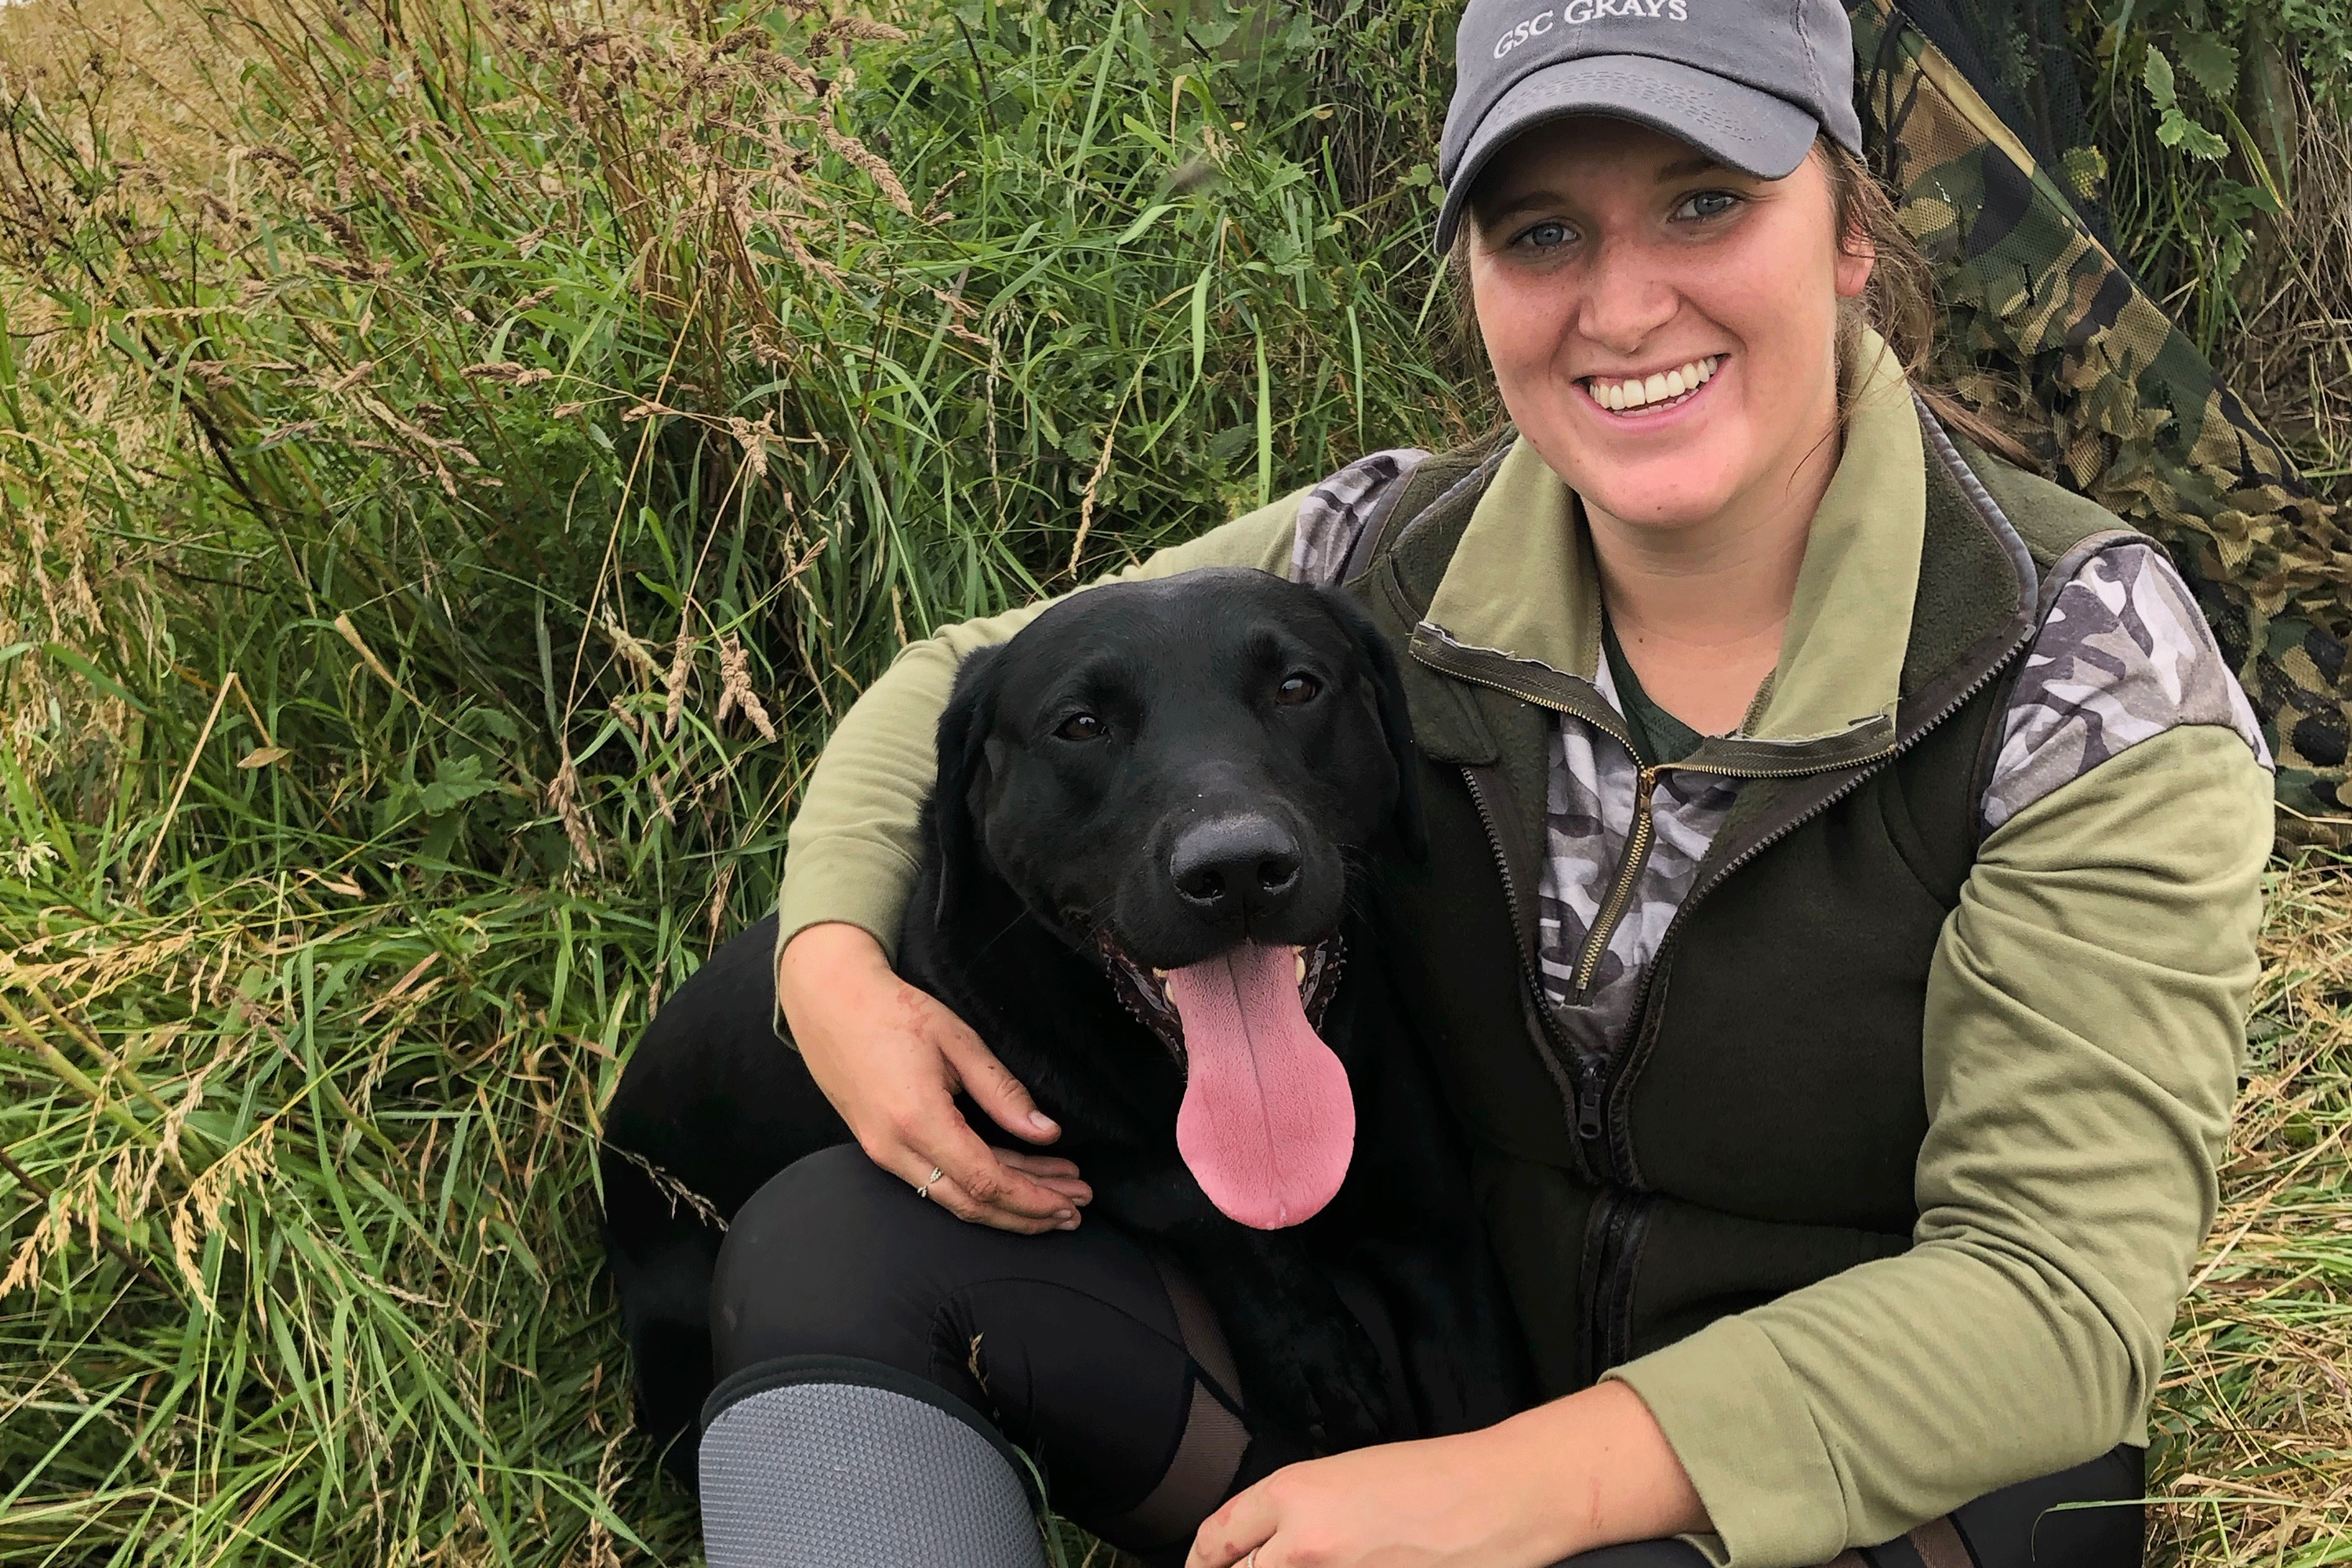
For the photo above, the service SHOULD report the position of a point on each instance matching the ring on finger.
(925, 1190)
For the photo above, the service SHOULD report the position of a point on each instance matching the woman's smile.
(1632, 396)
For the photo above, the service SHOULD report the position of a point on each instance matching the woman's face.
(1662, 328)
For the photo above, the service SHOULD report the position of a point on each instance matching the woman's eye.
(1295, 689)
(1547, 236)
(1707, 203)
(1080, 727)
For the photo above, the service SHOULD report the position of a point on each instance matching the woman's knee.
(832, 1256)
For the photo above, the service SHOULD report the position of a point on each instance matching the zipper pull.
(1588, 1106)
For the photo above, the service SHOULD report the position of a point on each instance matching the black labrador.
(1145, 860)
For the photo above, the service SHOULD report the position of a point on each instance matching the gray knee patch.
(835, 1473)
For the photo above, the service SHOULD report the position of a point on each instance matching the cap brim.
(1739, 127)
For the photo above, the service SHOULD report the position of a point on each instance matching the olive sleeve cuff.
(1737, 1419)
(851, 881)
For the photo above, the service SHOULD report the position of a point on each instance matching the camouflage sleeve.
(2123, 654)
(1332, 516)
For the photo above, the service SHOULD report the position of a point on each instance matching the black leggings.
(1104, 1365)
(1100, 1362)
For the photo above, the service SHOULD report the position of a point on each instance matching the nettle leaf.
(2212, 62)
(2157, 75)
(2177, 129)
(455, 780)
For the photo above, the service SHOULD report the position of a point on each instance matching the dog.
(1144, 886)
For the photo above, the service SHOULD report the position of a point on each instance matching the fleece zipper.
(1638, 839)
(1613, 1235)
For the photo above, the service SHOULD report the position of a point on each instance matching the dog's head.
(1176, 777)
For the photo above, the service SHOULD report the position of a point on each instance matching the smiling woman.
(1833, 939)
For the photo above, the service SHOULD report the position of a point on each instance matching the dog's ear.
(1396, 721)
(963, 768)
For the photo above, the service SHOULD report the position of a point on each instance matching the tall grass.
(452, 482)
(455, 461)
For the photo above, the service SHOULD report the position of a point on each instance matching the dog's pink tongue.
(1268, 1124)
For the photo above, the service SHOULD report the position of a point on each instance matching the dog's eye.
(1297, 689)
(1080, 727)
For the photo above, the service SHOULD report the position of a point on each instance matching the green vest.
(1758, 1129)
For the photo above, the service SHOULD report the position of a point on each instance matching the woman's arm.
(887, 1056)
(2084, 1014)
(1589, 1470)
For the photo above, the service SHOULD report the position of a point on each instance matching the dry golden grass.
(151, 70)
(2257, 1406)
(2292, 361)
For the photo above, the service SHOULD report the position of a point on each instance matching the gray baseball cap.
(1749, 82)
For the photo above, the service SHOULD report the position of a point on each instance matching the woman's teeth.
(1623, 397)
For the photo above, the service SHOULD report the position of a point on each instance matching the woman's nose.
(1627, 297)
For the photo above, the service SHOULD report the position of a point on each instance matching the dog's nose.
(1244, 866)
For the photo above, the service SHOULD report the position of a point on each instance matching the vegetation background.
(457, 456)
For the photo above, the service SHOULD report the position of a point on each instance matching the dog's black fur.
(1144, 776)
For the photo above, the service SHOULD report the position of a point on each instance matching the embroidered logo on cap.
(1576, 13)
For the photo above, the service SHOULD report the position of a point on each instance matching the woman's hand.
(1586, 1472)
(892, 1060)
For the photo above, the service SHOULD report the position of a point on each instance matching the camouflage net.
(2050, 337)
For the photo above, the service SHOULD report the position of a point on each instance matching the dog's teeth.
(1158, 974)
(1300, 956)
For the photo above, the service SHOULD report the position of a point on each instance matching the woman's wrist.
(826, 954)
(1597, 1469)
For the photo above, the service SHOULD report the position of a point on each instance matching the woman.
(1839, 930)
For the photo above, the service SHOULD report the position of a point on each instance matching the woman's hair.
(1899, 302)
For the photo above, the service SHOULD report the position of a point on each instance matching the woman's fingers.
(1245, 1524)
(1053, 1171)
(978, 1183)
(950, 1194)
(1001, 1096)
(952, 1198)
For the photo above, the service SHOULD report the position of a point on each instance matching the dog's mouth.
(1144, 991)
(1268, 1125)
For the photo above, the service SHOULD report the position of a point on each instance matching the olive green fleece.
(2085, 1010)
(2083, 1015)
